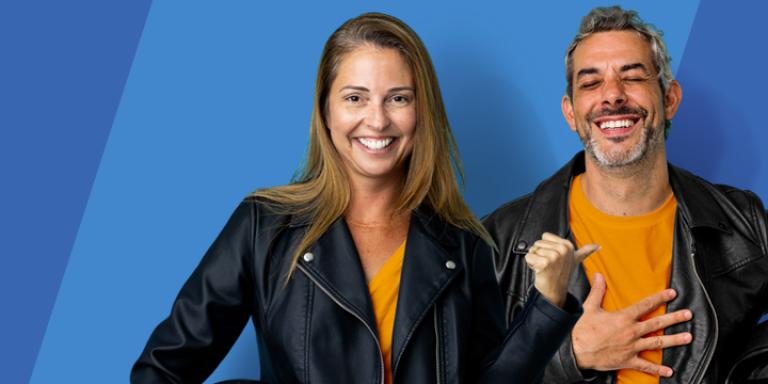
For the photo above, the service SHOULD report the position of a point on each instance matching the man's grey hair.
(604, 19)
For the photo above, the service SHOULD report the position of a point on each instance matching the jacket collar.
(691, 191)
(549, 203)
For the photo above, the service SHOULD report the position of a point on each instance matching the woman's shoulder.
(266, 211)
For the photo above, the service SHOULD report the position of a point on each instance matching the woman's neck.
(373, 202)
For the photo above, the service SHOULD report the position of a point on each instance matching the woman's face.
(372, 113)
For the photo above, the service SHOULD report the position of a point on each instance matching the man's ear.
(672, 99)
(567, 107)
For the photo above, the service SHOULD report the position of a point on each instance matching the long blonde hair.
(322, 191)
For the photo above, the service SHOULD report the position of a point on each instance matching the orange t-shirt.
(383, 289)
(635, 257)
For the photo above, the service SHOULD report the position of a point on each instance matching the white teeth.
(374, 143)
(616, 124)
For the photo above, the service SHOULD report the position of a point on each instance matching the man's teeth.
(375, 143)
(616, 124)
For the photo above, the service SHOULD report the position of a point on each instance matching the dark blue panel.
(62, 69)
(720, 132)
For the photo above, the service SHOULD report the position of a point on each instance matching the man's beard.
(650, 138)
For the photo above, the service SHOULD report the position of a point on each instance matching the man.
(681, 279)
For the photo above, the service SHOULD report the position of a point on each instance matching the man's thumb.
(585, 251)
(595, 298)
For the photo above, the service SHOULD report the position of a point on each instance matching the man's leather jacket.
(319, 327)
(719, 269)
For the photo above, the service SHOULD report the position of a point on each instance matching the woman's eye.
(400, 99)
(353, 98)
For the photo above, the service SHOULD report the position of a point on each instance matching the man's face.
(617, 107)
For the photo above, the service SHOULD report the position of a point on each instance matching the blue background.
(129, 131)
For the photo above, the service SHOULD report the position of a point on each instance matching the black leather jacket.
(719, 269)
(320, 326)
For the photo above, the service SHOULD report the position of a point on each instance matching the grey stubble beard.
(650, 138)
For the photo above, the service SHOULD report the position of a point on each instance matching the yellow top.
(635, 257)
(383, 289)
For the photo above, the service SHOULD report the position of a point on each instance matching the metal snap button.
(308, 257)
(522, 245)
(450, 264)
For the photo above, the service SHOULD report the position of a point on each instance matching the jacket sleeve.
(532, 338)
(511, 273)
(752, 364)
(209, 313)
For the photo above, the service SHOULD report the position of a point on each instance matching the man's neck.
(627, 191)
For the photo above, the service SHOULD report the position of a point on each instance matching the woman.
(370, 268)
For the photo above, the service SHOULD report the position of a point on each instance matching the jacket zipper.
(708, 358)
(351, 312)
(437, 349)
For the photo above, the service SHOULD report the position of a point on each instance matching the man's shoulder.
(743, 199)
(738, 208)
(690, 177)
(511, 210)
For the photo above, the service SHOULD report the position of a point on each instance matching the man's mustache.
(625, 110)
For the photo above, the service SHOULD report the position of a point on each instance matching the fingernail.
(671, 293)
(688, 315)
(668, 372)
(687, 337)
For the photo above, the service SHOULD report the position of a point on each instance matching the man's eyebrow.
(354, 88)
(629, 67)
(586, 71)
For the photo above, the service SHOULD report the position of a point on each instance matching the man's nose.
(613, 92)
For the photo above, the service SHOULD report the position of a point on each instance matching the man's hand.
(552, 259)
(607, 341)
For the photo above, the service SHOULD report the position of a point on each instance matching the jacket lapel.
(336, 266)
(424, 276)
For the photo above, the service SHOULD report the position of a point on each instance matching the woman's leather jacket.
(318, 326)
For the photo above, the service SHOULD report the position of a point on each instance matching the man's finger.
(662, 322)
(535, 262)
(661, 342)
(646, 366)
(596, 293)
(583, 252)
(650, 303)
(549, 254)
(547, 244)
(555, 238)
